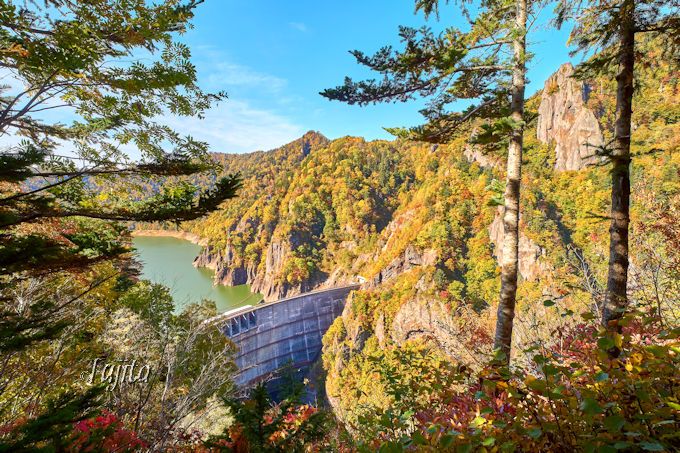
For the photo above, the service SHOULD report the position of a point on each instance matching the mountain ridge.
(267, 267)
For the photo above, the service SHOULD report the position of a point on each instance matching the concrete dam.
(285, 332)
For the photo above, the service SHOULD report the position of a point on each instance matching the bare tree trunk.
(616, 299)
(509, 262)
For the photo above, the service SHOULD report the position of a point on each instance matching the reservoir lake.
(168, 261)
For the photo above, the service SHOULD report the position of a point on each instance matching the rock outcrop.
(228, 270)
(269, 282)
(266, 283)
(232, 271)
(408, 260)
(565, 120)
(430, 320)
(421, 318)
(474, 153)
(530, 264)
(209, 258)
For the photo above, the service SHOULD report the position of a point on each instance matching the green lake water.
(168, 261)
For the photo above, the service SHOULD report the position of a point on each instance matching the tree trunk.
(616, 299)
(509, 262)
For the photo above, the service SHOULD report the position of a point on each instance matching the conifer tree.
(485, 65)
(83, 150)
(610, 28)
(71, 103)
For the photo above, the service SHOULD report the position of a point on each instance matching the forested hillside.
(316, 212)
(421, 223)
(514, 260)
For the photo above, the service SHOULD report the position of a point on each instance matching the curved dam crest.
(268, 336)
(285, 332)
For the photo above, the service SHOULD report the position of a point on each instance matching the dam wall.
(286, 332)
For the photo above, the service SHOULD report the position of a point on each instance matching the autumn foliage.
(103, 433)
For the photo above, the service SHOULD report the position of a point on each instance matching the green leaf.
(658, 351)
(614, 423)
(538, 385)
(418, 439)
(391, 447)
(464, 448)
(477, 422)
(675, 406)
(590, 406)
(548, 303)
(534, 433)
(601, 376)
(489, 441)
(508, 447)
(606, 449)
(446, 440)
(408, 414)
(605, 343)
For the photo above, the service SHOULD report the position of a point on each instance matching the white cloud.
(299, 26)
(224, 75)
(239, 124)
(236, 127)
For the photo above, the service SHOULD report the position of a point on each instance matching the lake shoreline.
(167, 257)
(193, 238)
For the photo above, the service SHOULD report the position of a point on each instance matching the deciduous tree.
(610, 28)
(86, 85)
(485, 65)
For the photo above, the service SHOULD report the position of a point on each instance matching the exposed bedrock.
(406, 261)
(530, 264)
(565, 119)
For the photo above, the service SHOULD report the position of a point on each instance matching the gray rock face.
(429, 320)
(231, 271)
(410, 259)
(565, 119)
(233, 275)
(474, 154)
(227, 270)
(530, 264)
(265, 283)
(269, 283)
(209, 257)
(420, 318)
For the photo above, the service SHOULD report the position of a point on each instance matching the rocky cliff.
(565, 120)
(411, 258)
(530, 263)
(270, 281)
(287, 222)
(230, 270)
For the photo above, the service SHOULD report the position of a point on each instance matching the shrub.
(570, 398)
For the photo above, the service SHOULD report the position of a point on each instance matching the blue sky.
(274, 56)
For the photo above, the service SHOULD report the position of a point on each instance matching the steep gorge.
(420, 223)
(447, 302)
(260, 246)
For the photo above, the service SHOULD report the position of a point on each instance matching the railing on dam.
(288, 331)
